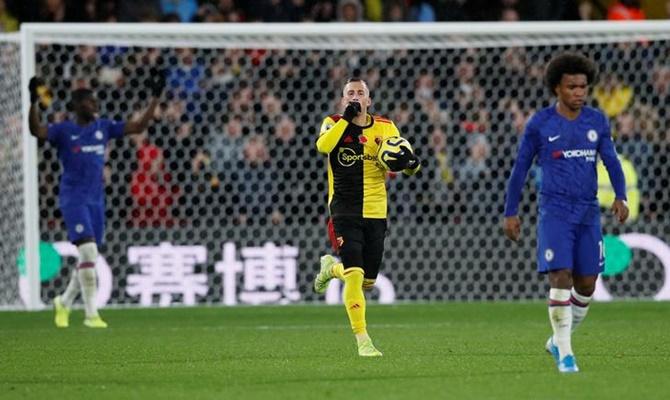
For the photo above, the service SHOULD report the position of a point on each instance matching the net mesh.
(11, 175)
(230, 158)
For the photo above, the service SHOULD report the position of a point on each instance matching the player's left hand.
(403, 160)
(157, 83)
(620, 210)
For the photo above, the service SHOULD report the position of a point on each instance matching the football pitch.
(431, 351)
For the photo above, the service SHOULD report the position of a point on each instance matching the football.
(389, 149)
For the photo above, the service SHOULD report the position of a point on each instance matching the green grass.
(455, 351)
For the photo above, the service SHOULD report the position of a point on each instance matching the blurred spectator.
(226, 149)
(624, 10)
(451, 10)
(438, 146)
(185, 77)
(256, 179)
(54, 11)
(374, 10)
(422, 11)
(139, 11)
(509, 14)
(185, 9)
(151, 186)
(208, 13)
(613, 96)
(281, 11)
(632, 143)
(349, 11)
(396, 11)
(476, 166)
(8, 23)
(323, 11)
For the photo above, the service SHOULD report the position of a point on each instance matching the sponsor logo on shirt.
(586, 154)
(348, 157)
(95, 148)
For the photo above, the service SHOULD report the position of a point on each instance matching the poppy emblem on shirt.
(98, 135)
(592, 135)
(76, 149)
(347, 139)
(362, 139)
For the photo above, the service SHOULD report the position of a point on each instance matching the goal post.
(239, 180)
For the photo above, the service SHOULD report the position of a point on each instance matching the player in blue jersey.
(81, 147)
(565, 139)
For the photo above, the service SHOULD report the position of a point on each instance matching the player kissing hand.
(351, 111)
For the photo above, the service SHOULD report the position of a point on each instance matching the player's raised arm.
(37, 128)
(156, 85)
(525, 155)
(331, 131)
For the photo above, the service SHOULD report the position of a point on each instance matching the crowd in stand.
(12, 12)
(233, 140)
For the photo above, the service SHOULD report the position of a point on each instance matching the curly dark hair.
(570, 64)
(80, 95)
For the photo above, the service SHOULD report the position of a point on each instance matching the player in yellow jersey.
(357, 201)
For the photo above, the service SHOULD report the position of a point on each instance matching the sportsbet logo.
(347, 157)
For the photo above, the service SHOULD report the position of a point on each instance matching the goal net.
(223, 200)
(11, 176)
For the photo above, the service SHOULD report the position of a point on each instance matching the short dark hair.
(80, 94)
(357, 79)
(568, 64)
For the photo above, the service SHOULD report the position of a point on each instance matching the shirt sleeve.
(611, 160)
(527, 151)
(54, 132)
(330, 134)
(115, 128)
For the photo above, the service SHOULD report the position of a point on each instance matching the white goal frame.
(359, 36)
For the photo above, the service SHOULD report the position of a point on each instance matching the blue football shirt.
(81, 150)
(566, 151)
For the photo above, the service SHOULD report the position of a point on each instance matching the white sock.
(560, 316)
(88, 254)
(72, 290)
(580, 307)
(89, 286)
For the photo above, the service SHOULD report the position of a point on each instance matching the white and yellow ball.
(390, 149)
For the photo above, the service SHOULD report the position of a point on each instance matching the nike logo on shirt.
(554, 138)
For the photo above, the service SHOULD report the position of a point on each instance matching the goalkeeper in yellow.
(357, 201)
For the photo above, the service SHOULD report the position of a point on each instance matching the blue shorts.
(84, 221)
(566, 245)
